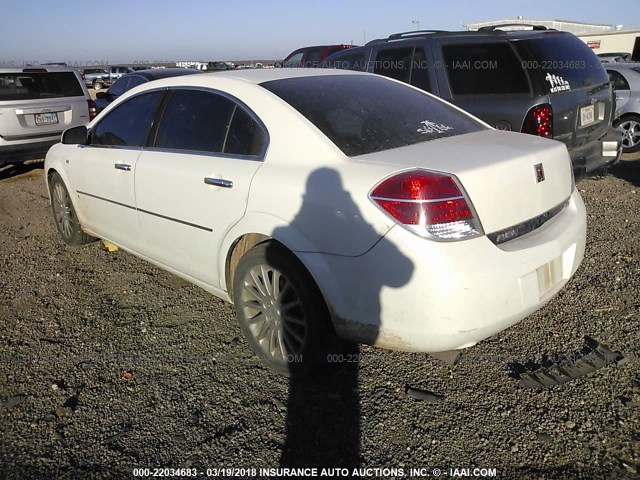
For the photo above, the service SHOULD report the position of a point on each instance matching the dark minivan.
(543, 82)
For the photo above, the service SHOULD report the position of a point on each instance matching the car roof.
(260, 75)
(483, 34)
(36, 69)
(625, 67)
(158, 73)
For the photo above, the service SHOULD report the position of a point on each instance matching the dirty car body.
(420, 227)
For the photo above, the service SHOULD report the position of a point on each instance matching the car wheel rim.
(62, 210)
(630, 133)
(273, 312)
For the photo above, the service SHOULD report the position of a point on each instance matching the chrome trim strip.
(207, 229)
(32, 136)
(106, 200)
(253, 158)
(528, 226)
(44, 109)
(418, 201)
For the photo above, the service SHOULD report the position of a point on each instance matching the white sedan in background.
(326, 204)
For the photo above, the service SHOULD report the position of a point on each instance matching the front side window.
(134, 81)
(363, 114)
(294, 61)
(128, 124)
(195, 120)
(313, 58)
(119, 87)
(487, 68)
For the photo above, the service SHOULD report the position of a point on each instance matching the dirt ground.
(108, 364)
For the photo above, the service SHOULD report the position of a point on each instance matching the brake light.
(430, 204)
(539, 121)
(92, 109)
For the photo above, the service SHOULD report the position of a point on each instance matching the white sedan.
(326, 204)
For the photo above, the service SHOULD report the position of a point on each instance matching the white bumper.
(409, 293)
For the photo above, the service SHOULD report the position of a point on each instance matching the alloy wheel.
(630, 133)
(62, 210)
(273, 312)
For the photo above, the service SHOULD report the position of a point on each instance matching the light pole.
(416, 23)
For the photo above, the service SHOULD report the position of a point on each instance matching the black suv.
(540, 81)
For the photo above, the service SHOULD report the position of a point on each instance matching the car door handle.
(123, 166)
(218, 182)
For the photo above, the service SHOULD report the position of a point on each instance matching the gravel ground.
(108, 364)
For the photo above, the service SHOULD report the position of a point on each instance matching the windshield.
(365, 113)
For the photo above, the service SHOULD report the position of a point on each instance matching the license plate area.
(46, 118)
(587, 115)
(549, 275)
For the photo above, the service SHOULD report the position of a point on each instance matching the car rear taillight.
(92, 109)
(539, 121)
(430, 204)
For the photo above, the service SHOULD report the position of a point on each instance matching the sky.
(144, 31)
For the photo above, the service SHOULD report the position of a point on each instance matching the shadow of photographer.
(323, 410)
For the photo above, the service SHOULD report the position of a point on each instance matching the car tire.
(629, 125)
(64, 214)
(98, 85)
(281, 311)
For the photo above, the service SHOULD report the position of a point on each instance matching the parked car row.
(98, 78)
(36, 106)
(542, 82)
(626, 84)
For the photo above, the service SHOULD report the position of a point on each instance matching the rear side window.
(195, 120)
(394, 63)
(481, 69)
(564, 61)
(128, 124)
(408, 65)
(617, 80)
(363, 114)
(245, 137)
(34, 85)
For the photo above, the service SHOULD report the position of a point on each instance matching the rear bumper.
(19, 152)
(409, 293)
(590, 158)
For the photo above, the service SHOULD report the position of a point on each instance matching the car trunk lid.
(509, 178)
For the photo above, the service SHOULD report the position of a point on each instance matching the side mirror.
(75, 136)
(101, 95)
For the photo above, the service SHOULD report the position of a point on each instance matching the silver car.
(36, 106)
(626, 83)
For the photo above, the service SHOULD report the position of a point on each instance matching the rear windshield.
(363, 114)
(564, 61)
(32, 85)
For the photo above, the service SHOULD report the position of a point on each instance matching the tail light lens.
(92, 109)
(430, 204)
(539, 121)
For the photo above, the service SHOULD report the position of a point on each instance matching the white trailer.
(616, 41)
